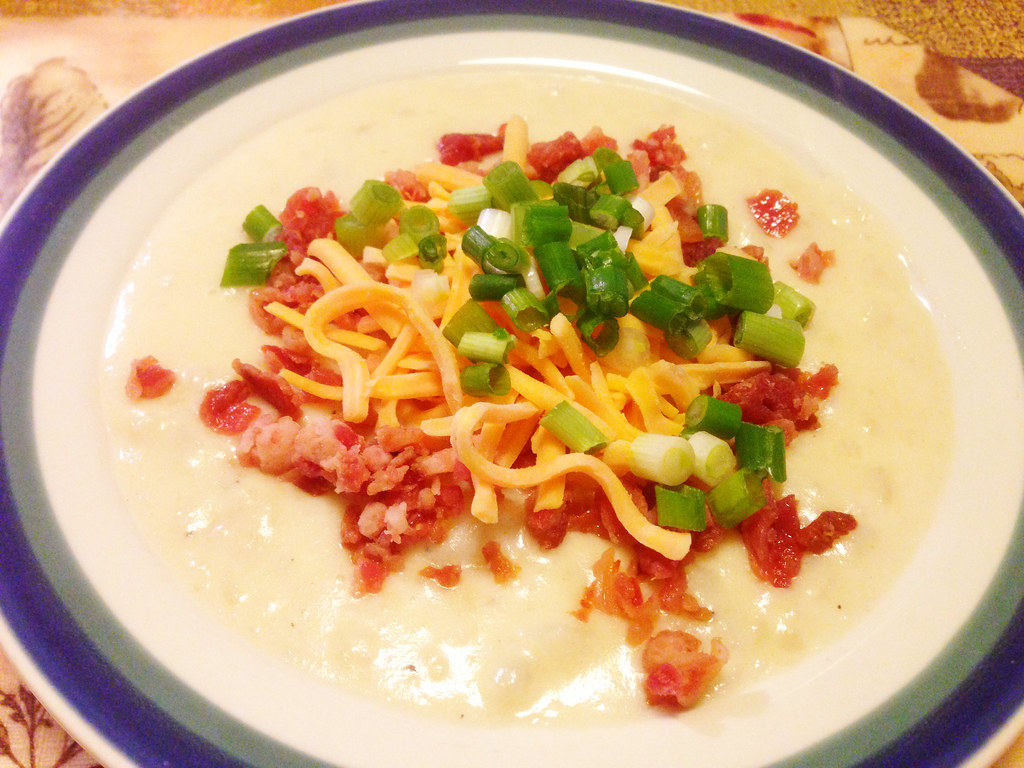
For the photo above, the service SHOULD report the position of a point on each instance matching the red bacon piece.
(271, 387)
(678, 670)
(774, 213)
(664, 152)
(455, 148)
(550, 158)
(502, 568)
(148, 379)
(408, 186)
(445, 575)
(224, 409)
(786, 397)
(309, 214)
(812, 262)
(776, 543)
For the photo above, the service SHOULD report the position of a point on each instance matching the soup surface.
(267, 558)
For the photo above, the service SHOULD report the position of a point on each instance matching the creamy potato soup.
(267, 557)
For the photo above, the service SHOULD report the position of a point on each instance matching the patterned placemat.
(958, 64)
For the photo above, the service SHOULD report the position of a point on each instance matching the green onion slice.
(251, 263)
(485, 380)
(469, 317)
(778, 339)
(719, 417)
(375, 202)
(665, 459)
(598, 332)
(713, 221)
(737, 282)
(713, 459)
(418, 221)
(508, 184)
(737, 497)
(484, 347)
(486, 287)
(682, 507)
(762, 447)
(573, 428)
(465, 203)
(793, 304)
(524, 309)
(261, 225)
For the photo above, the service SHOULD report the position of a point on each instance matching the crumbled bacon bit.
(446, 575)
(786, 397)
(271, 387)
(776, 543)
(618, 593)
(812, 263)
(148, 379)
(408, 186)
(224, 409)
(456, 148)
(550, 158)
(774, 213)
(308, 214)
(678, 670)
(597, 138)
(503, 569)
(664, 151)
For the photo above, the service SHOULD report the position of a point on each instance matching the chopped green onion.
(483, 347)
(561, 273)
(682, 507)
(251, 263)
(375, 202)
(582, 233)
(503, 255)
(665, 459)
(737, 497)
(601, 242)
(598, 332)
(621, 177)
(693, 301)
(465, 203)
(762, 447)
(433, 249)
(793, 304)
(573, 428)
(778, 339)
(713, 221)
(542, 188)
(261, 225)
(687, 338)
(646, 211)
(492, 287)
(654, 309)
(634, 274)
(605, 156)
(403, 246)
(418, 221)
(544, 223)
(607, 290)
(496, 222)
(609, 210)
(583, 171)
(713, 459)
(355, 235)
(578, 199)
(524, 309)
(509, 184)
(475, 242)
(737, 282)
(485, 380)
(469, 317)
(719, 417)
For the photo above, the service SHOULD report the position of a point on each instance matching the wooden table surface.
(958, 64)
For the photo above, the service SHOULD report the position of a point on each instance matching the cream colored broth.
(267, 558)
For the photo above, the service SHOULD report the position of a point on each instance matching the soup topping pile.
(559, 330)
